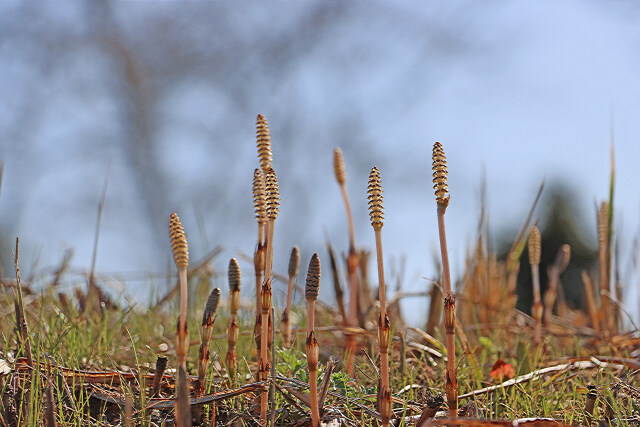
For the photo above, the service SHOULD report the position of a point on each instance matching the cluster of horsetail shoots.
(376, 214)
(181, 258)
(232, 330)
(352, 257)
(272, 204)
(441, 189)
(534, 259)
(311, 295)
(294, 266)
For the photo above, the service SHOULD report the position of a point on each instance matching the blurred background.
(161, 98)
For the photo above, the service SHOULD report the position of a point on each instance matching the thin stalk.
(337, 287)
(259, 262)
(232, 328)
(181, 258)
(534, 259)
(206, 331)
(554, 272)
(352, 258)
(376, 213)
(352, 273)
(442, 199)
(273, 205)
(311, 295)
(182, 273)
(294, 266)
(264, 362)
(260, 207)
(603, 257)
(591, 302)
(312, 364)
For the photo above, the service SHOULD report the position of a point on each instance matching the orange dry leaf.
(502, 371)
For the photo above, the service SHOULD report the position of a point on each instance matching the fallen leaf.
(502, 371)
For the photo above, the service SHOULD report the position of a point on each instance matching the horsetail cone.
(234, 285)
(178, 242)
(338, 166)
(440, 175)
(294, 262)
(376, 209)
(534, 246)
(234, 274)
(259, 196)
(263, 140)
(211, 307)
(273, 194)
(313, 279)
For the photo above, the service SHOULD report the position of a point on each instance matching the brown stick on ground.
(311, 294)
(294, 266)
(376, 213)
(352, 257)
(442, 199)
(232, 329)
(181, 258)
(534, 259)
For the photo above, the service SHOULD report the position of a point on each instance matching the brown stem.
(381, 287)
(264, 363)
(353, 262)
(204, 358)
(384, 336)
(312, 363)
(285, 323)
(232, 340)
(266, 309)
(182, 323)
(347, 206)
(537, 308)
(591, 303)
(449, 318)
